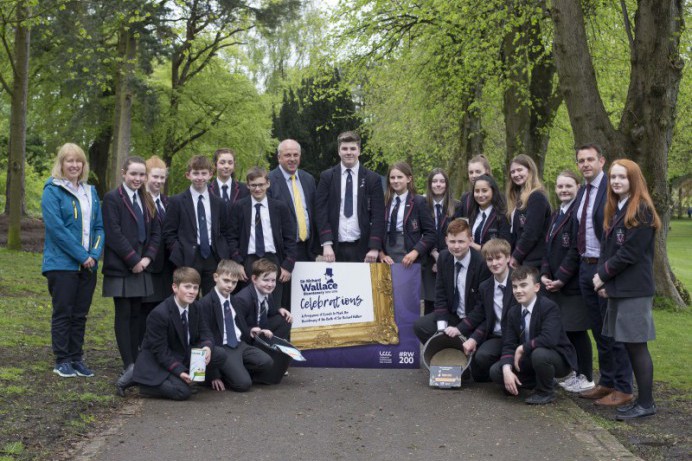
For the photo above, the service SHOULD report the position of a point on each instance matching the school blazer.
(164, 348)
(559, 261)
(211, 310)
(370, 208)
(545, 330)
(158, 263)
(440, 242)
(530, 227)
(480, 323)
(278, 190)
(238, 190)
(463, 205)
(246, 304)
(180, 229)
(495, 226)
(626, 262)
(419, 226)
(283, 230)
(444, 282)
(122, 248)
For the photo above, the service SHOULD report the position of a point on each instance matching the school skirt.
(132, 286)
(575, 316)
(629, 320)
(396, 251)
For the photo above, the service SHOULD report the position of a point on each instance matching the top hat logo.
(329, 275)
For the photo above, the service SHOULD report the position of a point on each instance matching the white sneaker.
(580, 384)
(569, 380)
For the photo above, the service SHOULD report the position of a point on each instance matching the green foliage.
(33, 185)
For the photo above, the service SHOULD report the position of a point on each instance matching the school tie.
(393, 217)
(581, 234)
(159, 208)
(186, 329)
(524, 333)
(262, 316)
(141, 230)
(300, 211)
(224, 194)
(204, 248)
(557, 222)
(455, 302)
(438, 216)
(348, 198)
(259, 233)
(479, 230)
(231, 338)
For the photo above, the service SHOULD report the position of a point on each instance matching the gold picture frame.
(382, 330)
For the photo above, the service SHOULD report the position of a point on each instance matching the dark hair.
(521, 272)
(256, 172)
(186, 275)
(348, 136)
(199, 162)
(447, 200)
(591, 145)
(223, 150)
(457, 226)
(498, 200)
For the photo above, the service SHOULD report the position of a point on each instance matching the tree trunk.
(17, 143)
(122, 124)
(471, 138)
(98, 154)
(648, 119)
(531, 97)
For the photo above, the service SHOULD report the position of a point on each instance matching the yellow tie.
(300, 212)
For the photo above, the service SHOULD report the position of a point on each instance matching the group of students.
(571, 270)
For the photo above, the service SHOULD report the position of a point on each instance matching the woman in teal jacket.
(73, 245)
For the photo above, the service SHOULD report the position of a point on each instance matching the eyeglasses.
(258, 186)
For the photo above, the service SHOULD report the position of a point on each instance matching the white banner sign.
(324, 294)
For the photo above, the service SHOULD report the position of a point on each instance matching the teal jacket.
(62, 217)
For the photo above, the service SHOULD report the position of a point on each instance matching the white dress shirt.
(207, 211)
(593, 246)
(266, 227)
(349, 230)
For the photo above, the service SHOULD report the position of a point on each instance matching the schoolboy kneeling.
(230, 331)
(174, 327)
(535, 347)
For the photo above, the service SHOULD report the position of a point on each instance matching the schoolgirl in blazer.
(529, 212)
(487, 212)
(477, 166)
(418, 226)
(559, 262)
(224, 162)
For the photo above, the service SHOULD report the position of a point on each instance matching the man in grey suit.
(296, 188)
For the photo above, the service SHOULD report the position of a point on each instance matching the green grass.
(680, 250)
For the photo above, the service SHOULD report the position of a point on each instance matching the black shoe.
(636, 411)
(125, 380)
(540, 398)
(628, 407)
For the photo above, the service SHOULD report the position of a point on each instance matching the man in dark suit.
(349, 207)
(255, 302)
(174, 327)
(615, 384)
(262, 227)
(219, 310)
(535, 348)
(460, 270)
(195, 229)
(296, 188)
(224, 186)
(484, 325)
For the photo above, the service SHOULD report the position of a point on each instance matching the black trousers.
(173, 387)
(537, 370)
(241, 364)
(485, 357)
(206, 268)
(613, 362)
(426, 326)
(71, 293)
(349, 252)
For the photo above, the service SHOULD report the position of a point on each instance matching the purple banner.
(406, 354)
